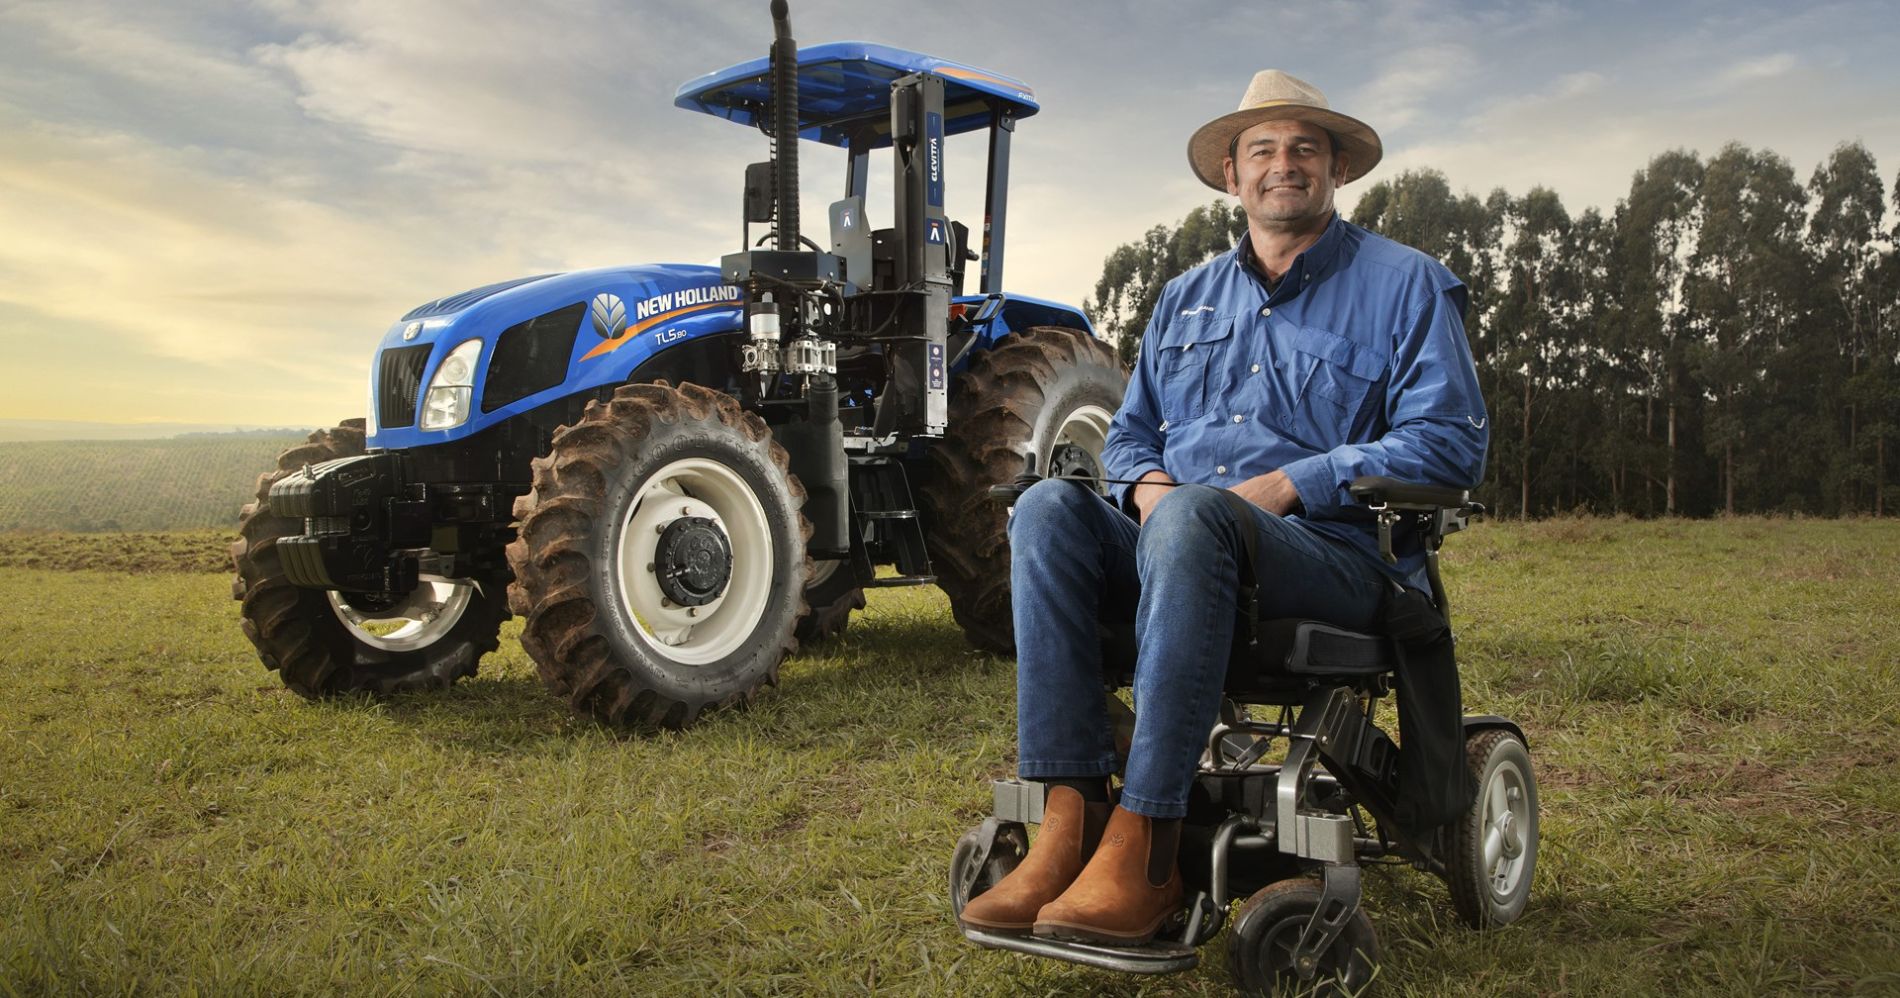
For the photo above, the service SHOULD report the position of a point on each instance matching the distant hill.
(111, 485)
(71, 429)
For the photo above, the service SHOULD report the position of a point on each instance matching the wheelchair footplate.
(1168, 953)
(1158, 957)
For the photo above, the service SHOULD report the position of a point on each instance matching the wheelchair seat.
(1316, 648)
(1291, 652)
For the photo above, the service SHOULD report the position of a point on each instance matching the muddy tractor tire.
(660, 560)
(326, 643)
(1048, 389)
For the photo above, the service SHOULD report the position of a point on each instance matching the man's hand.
(1273, 492)
(1147, 495)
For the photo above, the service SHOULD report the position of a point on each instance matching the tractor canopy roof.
(844, 88)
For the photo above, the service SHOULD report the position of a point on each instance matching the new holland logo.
(610, 315)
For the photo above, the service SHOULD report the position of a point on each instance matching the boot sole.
(1072, 932)
(999, 928)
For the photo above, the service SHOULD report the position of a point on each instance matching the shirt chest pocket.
(1195, 349)
(1335, 371)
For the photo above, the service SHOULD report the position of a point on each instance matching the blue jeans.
(1075, 560)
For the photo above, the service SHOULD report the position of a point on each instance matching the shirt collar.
(1307, 266)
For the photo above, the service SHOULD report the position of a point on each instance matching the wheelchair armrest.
(1441, 511)
(1378, 490)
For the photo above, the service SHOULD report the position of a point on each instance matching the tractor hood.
(536, 339)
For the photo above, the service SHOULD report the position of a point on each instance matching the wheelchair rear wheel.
(1266, 934)
(1494, 846)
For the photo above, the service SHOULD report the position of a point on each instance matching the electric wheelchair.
(1291, 834)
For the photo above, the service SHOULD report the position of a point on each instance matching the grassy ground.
(113, 485)
(1712, 710)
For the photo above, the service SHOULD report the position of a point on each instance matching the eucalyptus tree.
(1536, 318)
(1656, 229)
(1846, 237)
(1744, 289)
(1597, 386)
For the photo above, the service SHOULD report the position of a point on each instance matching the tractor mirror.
(758, 192)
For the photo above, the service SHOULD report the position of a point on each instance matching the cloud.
(1751, 70)
(1417, 78)
(233, 201)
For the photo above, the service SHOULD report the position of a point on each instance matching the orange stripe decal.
(609, 346)
(971, 74)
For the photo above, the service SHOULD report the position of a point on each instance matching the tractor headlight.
(452, 390)
(369, 416)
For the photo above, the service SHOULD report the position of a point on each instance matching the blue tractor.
(675, 472)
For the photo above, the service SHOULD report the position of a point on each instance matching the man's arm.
(1438, 426)
(1135, 436)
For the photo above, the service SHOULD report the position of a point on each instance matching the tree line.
(1723, 341)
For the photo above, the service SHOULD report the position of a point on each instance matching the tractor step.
(900, 580)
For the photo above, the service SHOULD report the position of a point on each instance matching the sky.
(210, 211)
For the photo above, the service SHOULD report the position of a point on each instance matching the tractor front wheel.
(326, 643)
(660, 560)
(1048, 390)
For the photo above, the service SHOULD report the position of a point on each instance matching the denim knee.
(1188, 517)
(1050, 502)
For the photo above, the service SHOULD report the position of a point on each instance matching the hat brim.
(1207, 149)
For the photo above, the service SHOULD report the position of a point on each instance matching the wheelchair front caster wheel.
(1261, 949)
(983, 857)
(1494, 846)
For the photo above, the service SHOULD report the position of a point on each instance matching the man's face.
(1284, 173)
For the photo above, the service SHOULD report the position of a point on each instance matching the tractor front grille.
(398, 382)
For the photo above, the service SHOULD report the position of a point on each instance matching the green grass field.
(114, 485)
(1713, 710)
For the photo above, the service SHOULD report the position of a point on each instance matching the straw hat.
(1272, 96)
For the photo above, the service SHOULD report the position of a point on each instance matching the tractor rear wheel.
(660, 560)
(1049, 390)
(832, 594)
(325, 643)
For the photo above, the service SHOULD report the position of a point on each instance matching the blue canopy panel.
(845, 88)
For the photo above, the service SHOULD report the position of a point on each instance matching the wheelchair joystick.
(1008, 494)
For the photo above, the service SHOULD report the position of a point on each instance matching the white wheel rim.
(1087, 428)
(704, 634)
(421, 619)
(1507, 831)
(822, 570)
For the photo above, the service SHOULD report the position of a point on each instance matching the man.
(1313, 353)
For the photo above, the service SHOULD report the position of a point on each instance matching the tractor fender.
(997, 316)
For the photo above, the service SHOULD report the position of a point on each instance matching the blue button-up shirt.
(1354, 364)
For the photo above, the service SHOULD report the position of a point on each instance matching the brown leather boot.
(1112, 901)
(1070, 829)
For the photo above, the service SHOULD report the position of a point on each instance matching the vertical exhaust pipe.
(784, 64)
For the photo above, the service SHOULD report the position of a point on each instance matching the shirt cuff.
(1313, 478)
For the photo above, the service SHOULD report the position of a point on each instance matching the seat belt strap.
(1247, 607)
